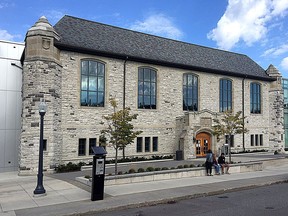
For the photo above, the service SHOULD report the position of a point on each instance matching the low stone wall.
(172, 174)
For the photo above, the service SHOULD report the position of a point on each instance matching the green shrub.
(165, 168)
(149, 169)
(186, 166)
(141, 170)
(69, 167)
(168, 157)
(172, 168)
(192, 165)
(156, 157)
(134, 159)
(179, 167)
(157, 169)
(131, 171)
(87, 176)
(120, 173)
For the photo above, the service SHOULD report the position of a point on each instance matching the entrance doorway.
(203, 143)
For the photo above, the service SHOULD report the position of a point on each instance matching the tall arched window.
(190, 92)
(225, 95)
(147, 88)
(92, 83)
(255, 98)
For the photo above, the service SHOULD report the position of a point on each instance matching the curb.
(175, 199)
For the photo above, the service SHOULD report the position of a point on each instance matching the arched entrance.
(203, 143)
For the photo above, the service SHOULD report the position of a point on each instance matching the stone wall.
(276, 98)
(41, 80)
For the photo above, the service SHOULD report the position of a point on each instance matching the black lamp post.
(39, 190)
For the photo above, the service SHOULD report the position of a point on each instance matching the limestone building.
(176, 88)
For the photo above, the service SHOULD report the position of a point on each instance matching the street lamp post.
(39, 190)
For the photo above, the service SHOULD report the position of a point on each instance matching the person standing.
(209, 162)
(223, 163)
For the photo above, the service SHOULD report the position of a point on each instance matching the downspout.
(124, 83)
(243, 110)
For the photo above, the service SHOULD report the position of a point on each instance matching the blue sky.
(256, 28)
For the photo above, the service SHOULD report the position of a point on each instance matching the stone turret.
(276, 100)
(41, 80)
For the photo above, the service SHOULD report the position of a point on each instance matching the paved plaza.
(65, 196)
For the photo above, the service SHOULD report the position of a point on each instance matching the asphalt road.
(262, 201)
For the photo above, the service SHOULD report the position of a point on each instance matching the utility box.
(98, 173)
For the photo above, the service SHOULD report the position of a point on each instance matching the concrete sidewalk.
(63, 198)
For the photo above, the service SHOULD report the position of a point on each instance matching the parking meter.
(98, 173)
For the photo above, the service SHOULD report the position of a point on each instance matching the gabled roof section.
(91, 37)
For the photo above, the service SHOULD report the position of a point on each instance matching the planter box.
(172, 174)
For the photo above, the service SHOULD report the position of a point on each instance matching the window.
(92, 83)
(231, 140)
(261, 139)
(256, 140)
(255, 98)
(44, 144)
(285, 91)
(147, 144)
(225, 97)
(139, 147)
(155, 144)
(190, 92)
(92, 143)
(147, 88)
(82, 147)
(252, 139)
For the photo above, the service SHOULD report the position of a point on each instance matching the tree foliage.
(120, 131)
(229, 125)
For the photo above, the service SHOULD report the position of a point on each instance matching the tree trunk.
(123, 152)
(229, 147)
(116, 161)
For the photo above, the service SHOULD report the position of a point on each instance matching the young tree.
(229, 125)
(119, 129)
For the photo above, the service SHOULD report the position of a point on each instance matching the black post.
(39, 188)
(98, 177)
(98, 173)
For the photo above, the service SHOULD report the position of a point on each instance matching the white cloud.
(279, 7)
(53, 16)
(246, 20)
(158, 24)
(277, 51)
(4, 35)
(284, 64)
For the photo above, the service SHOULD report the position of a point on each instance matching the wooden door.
(203, 143)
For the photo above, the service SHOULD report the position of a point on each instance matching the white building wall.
(11, 102)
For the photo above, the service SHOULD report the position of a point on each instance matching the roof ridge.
(93, 37)
(151, 35)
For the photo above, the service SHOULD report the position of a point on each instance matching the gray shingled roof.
(91, 37)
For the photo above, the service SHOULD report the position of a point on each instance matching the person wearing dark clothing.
(209, 162)
(223, 163)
